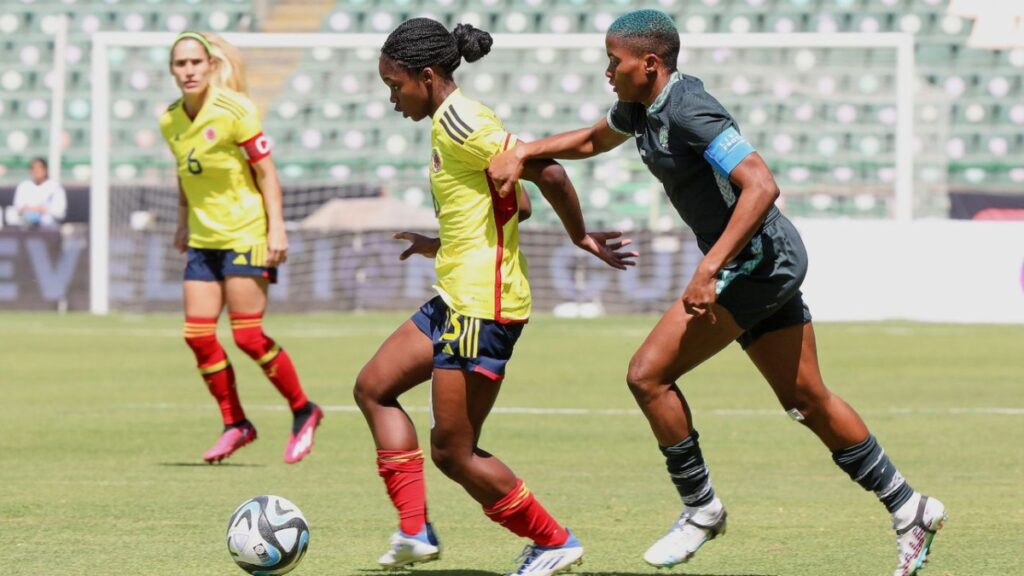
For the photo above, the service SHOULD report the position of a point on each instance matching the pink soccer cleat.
(301, 440)
(231, 440)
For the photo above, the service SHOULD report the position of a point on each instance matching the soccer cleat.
(408, 550)
(914, 540)
(233, 438)
(694, 527)
(537, 560)
(300, 442)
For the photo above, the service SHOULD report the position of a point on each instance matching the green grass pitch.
(103, 421)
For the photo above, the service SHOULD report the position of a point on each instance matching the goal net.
(832, 114)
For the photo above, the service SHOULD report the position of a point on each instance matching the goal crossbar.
(99, 200)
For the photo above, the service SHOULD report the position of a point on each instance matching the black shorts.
(762, 289)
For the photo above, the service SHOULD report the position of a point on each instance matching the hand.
(700, 296)
(504, 170)
(597, 244)
(277, 246)
(180, 241)
(422, 245)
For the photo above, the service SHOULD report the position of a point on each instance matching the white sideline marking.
(731, 412)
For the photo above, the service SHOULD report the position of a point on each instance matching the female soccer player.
(230, 223)
(746, 288)
(464, 337)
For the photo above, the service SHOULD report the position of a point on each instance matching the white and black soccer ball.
(267, 536)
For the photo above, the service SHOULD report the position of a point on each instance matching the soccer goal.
(832, 113)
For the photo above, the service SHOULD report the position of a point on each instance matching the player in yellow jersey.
(463, 338)
(230, 223)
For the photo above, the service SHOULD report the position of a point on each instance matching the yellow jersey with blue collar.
(480, 271)
(213, 152)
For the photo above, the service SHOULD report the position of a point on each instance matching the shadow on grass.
(574, 572)
(206, 465)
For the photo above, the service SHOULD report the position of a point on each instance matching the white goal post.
(99, 241)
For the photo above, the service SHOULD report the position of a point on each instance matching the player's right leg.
(403, 361)
(676, 345)
(204, 299)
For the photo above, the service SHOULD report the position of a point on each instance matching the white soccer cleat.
(914, 536)
(694, 527)
(408, 550)
(546, 560)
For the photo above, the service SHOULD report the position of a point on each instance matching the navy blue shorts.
(762, 290)
(209, 265)
(465, 343)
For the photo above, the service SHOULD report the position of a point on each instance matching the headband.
(194, 36)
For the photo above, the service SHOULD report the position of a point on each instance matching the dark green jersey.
(691, 144)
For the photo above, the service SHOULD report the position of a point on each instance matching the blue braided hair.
(649, 32)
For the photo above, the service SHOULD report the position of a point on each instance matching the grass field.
(103, 420)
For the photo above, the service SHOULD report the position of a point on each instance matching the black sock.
(300, 416)
(688, 471)
(238, 424)
(867, 465)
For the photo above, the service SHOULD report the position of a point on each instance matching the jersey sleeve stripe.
(451, 134)
(611, 123)
(233, 109)
(455, 126)
(459, 121)
(231, 103)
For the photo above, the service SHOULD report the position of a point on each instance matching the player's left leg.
(247, 301)
(460, 402)
(788, 359)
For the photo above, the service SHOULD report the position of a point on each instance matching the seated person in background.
(39, 201)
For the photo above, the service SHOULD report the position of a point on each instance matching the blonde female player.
(230, 223)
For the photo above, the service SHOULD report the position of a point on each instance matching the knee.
(448, 460)
(364, 393)
(641, 380)
(807, 405)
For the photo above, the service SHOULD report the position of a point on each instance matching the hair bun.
(472, 42)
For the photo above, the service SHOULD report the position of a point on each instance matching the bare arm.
(558, 190)
(525, 206)
(181, 231)
(507, 167)
(270, 187)
(758, 193)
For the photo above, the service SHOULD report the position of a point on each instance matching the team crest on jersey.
(210, 134)
(435, 160)
(663, 136)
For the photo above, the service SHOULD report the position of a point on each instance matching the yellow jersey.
(480, 271)
(213, 152)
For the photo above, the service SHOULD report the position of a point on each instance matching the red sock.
(214, 367)
(402, 471)
(523, 515)
(275, 362)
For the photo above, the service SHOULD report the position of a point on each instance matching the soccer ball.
(267, 536)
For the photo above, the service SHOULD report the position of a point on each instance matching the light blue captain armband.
(727, 150)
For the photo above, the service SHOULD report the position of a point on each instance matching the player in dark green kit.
(746, 288)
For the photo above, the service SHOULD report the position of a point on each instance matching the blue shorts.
(465, 343)
(210, 265)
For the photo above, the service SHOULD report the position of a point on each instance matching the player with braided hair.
(463, 338)
(746, 288)
(230, 223)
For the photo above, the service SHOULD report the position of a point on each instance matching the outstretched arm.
(507, 167)
(558, 190)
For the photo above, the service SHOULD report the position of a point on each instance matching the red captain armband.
(256, 148)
